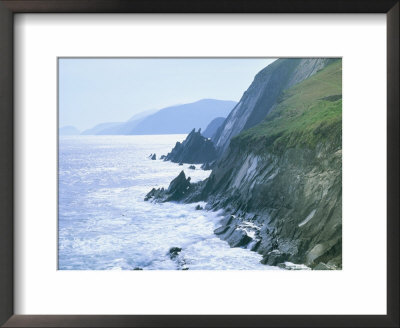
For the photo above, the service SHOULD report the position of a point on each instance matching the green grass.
(308, 113)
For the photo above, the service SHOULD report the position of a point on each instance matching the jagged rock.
(174, 252)
(177, 190)
(195, 149)
(178, 187)
(192, 167)
(163, 157)
(198, 208)
(180, 164)
(154, 193)
(154, 157)
(137, 268)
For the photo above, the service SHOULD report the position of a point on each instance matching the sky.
(98, 90)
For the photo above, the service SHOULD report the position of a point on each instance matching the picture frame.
(10, 7)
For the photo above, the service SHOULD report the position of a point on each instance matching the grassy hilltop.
(306, 114)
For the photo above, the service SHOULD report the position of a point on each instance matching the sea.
(105, 224)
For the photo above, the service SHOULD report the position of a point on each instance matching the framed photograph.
(190, 164)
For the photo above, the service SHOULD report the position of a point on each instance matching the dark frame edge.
(6, 165)
(204, 6)
(393, 147)
(7, 316)
(99, 321)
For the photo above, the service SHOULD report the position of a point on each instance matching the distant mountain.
(141, 115)
(183, 118)
(213, 127)
(170, 120)
(118, 128)
(100, 127)
(68, 130)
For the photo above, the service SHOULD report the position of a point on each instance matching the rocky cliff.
(280, 182)
(263, 94)
(194, 149)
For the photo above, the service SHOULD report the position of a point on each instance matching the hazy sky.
(93, 91)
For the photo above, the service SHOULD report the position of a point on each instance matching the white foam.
(293, 266)
(104, 222)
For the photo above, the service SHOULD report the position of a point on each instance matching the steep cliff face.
(263, 94)
(280, 182)
(282, 179)
(287, 207)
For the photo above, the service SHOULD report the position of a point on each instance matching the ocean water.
(104, 223)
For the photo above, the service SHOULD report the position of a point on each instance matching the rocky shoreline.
(280, 181)
(249, 222)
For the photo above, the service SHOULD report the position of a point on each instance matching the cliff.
(280, 182)
(263, 94)
(282, 179)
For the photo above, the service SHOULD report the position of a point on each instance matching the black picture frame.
(10, 7)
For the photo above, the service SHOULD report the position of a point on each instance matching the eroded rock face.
(293, 200)
(195, 149)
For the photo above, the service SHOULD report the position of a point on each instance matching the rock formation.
(195, 149)
(178, 189)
